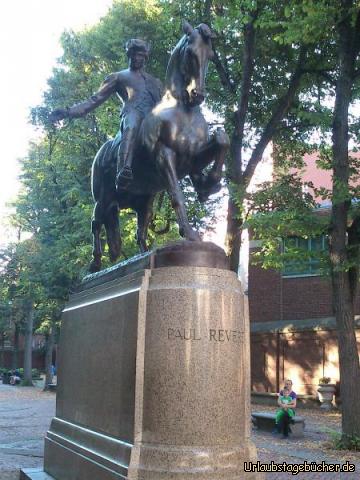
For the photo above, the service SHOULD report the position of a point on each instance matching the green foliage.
(34, 372)
(55, 204)
(341, 441)
(281, 209)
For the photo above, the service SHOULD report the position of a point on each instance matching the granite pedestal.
(154, 373)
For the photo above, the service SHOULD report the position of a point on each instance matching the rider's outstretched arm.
(108, 87)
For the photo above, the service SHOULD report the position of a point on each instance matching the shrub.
(25, 383)
(34, 373)
(342, 441)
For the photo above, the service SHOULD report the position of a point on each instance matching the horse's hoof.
(94, 266)
(210, 187)
(193, 236)
(222, 138)
(114, 251)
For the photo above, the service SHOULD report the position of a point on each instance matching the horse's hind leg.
(111, 222)
(96, 224)
(144, 215)
(167, 161)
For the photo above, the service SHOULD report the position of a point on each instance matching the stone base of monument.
(153, 373)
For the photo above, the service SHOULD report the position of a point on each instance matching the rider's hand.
(59, 114)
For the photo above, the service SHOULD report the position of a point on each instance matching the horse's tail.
(100, 164)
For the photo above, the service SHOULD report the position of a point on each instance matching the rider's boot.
(124, 169)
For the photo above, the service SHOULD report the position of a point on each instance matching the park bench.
(266, 421)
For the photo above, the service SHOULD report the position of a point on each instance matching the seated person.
(15, 377)
(6, 377)
(285, 413)
(289, 384)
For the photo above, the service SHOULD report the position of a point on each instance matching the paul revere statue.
(138, 90)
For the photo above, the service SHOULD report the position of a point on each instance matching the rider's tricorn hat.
(137, 45)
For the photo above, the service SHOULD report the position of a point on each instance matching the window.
(308, 248)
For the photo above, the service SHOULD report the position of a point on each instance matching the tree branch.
(221, 68)
(207, 10)
(322, 73)
(281, 110)
(223, 73)
(240, 114)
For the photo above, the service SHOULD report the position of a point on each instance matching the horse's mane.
(174, 81)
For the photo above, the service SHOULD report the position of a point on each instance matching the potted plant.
(326, 391)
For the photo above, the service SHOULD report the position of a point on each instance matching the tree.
(276, 63)
(262, 68)
(344, 239)
(20, 275)
(88, 57)
(343, 224)
(55, 202)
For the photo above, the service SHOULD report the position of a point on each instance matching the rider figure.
(139, 91)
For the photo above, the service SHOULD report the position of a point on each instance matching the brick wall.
(306, 297)
(302, 356)
(273, 297)
(38, 359)
(264, 290)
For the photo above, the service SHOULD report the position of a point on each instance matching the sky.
(29, 46)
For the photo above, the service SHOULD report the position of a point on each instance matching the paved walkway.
(314, 447)
(25, 415)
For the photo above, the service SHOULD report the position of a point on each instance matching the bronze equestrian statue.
(138, 90)
(171, 142)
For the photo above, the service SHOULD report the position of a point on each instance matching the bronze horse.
(173, 142)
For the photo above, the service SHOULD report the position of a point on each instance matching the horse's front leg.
(112, 227)
(144, 215)
(214, 152)
(167, 160)
(96, 224)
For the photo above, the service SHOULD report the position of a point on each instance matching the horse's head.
(188, 64)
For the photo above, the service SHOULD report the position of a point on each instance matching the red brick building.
(14, 358)
(293, 330)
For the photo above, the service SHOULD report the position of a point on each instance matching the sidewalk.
(314, 447)
(25, 415)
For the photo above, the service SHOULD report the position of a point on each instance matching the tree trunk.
(233, 234)
(339, 255)
(28, 346)
(15, 354)
(348, 356)
(48, 357)
(2, 350)
(237, 175)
